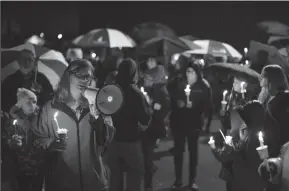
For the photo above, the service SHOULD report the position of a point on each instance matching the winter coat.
(17, 80)
(26, 159)
(285, 167)
(80, 167)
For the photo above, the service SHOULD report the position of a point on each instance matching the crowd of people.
(99, 152)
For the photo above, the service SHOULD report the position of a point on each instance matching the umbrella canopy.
(274, 55)
(274, 28)
(161, 47)
(190, 43)
(148, 30)
(35, 40)
(237, 70)
(51, 63)
(279, 41)
(110, 38)
(215, 48)
(189, 37)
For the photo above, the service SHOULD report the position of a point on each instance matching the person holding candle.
(75, 163)
(24, 115)
(160, 104)
(278, 172)
(274, 80)
(239, 157)
(187, 118)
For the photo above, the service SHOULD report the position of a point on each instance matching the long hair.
(277, 80)
(62, 93)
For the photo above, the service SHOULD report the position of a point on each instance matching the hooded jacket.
(80, 167)
(201, 97)
(135, 108)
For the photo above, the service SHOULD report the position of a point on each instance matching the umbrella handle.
(36, 69)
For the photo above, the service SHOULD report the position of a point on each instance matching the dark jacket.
(243, 156)
(201, 97)
(80, 167)
(278, 122)
(135, 108)
(17, 80)
(158, 93)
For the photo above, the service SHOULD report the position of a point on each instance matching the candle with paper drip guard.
(60, 131)
(224, 102)
(243, 89)
(263, 151)
(212, 142)
(188, 92)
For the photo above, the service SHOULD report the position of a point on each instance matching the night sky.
(232, 22)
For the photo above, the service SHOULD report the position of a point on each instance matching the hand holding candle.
(243, 89)
(212, 143)
(224, 102)
(188, 92)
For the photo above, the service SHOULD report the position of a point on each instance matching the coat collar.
(68, 111)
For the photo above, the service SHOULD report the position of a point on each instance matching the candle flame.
(211, 138)
(142, 89)
(260, 135)
(15, 121)
(225, 93)
(56, 114)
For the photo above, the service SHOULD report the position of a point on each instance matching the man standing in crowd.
(187, 118)
(24, 78)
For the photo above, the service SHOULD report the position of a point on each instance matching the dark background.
(232, 22)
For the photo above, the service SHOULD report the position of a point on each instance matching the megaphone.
(108, 99)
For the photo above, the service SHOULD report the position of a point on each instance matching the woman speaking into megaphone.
(87, 132)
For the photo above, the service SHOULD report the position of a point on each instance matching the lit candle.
(143, 91)
(247, 62)
(212, 142)
(224, 95)
(55, 119)
(261, 140)
(188, 92)
(243, 89)
(14, 124)
(245, 50)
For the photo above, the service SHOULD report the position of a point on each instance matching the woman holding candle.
(187, 118)
(239, 158)
(75, 163)
(274, 80)
(24, 115)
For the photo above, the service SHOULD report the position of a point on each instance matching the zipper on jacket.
(79, 158)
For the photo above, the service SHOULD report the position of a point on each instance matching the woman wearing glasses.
(75, 162)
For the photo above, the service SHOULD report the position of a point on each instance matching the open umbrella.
(110, 38)
(190, 37)
(49, 62)
(279, 41)
(236, 70)
(190, 43)
(148, 30)
(215, 48)
(274, 28)
(161, 47)
(274, 55)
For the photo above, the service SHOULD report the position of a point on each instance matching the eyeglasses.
(85, 77)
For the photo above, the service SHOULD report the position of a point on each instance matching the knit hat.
(24, 95)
